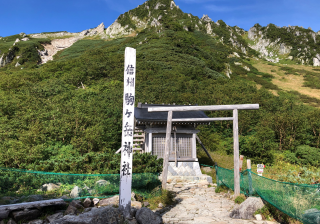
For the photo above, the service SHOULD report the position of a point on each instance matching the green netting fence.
(18, 185)
(300, 201)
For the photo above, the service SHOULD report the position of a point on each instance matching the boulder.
(75, 192)
(95, 216)
(4, 214)
(146, 216)
(132, 221)
(146, 204)
(114, 201)
(133, 196)
(246, 68)
(136, 204)
(65, 197)
(316, 62)
(247, 208)
(50, 187)
(102, 182)
(95, 201)
(52, 218)
(26, 214)
(71, 210)
(258, 217)
(87, 209)
(76, 204)
(37, 221)
(87, 202)
(25, 39)
(311, 216)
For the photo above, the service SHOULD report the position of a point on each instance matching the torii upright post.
(236, 153)
(127, 132)
(167, 151)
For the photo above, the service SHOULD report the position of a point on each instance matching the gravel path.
(200, 204)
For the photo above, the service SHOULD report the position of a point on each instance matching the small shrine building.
(150, 136)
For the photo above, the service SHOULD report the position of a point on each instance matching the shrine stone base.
(184, 169)
(186, 172)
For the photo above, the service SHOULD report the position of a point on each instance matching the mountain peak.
(206, 18)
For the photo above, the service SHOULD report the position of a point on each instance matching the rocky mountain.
(292, 43)
(156, 14)
(273, 43)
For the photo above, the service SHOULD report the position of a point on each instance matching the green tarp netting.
(18, 184)
(300, 201)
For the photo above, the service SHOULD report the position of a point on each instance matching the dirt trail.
(199, 204)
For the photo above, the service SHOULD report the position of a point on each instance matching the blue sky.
(35, 16)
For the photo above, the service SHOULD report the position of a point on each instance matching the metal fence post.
(249, 176)
(217, 177)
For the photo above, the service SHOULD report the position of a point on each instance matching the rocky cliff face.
(273, 43)
(55, 46)
(292, 42)
(153, 14)
(63, 41)
(99, 30)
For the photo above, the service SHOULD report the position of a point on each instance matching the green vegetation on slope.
(75, 101)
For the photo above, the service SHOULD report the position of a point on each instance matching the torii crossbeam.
(234, 108)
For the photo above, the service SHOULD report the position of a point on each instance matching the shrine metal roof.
(142, 115)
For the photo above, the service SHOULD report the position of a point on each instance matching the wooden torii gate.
(234, 108)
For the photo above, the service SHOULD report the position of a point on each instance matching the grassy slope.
(301, 80)
(47, 104)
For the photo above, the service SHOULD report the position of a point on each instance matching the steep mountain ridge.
(290, 43)
(158, 14)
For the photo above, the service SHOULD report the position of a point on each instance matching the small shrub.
(264, 212)
(304, 155)
(240, 199)
(166, 198)
(221, 188)
(270, 212)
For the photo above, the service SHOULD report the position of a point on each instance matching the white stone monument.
(127, 131)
